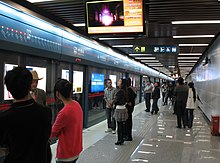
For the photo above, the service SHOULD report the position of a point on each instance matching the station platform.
(155, 139)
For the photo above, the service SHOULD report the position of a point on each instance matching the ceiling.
(160, 31)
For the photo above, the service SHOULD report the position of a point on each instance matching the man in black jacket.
(155, 97)
(25, 127)
(130, 106)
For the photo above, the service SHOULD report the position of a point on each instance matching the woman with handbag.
(121, 113)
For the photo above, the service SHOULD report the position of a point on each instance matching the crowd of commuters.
(26, 128)
(181, 95)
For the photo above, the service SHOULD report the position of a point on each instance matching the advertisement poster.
(65, 74)
(77, 82)
(8, 67)
(42, 73)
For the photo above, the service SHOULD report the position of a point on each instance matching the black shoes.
(128, 139)
(119, 143)
(178, 127)
(147, 110)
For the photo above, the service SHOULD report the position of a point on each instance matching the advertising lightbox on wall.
(42, 73)
(77, 82)
(65, 74)
(7, 94)
(114, 80)
(97, 82)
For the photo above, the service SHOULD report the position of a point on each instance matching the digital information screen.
(42, 73)
(114, 16)
(77, 82)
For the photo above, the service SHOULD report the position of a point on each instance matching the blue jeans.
(110, 120)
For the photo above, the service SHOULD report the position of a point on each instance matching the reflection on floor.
(156, 139)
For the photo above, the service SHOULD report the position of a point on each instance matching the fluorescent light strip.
(139, 54)
(34, 1)
(188, 57)
(150, 61)
(194, 36)
(197, 22)
(122, 38)
(189, 54)
(122, 46)
(193, 44)
(184, 61)
(80, 25)
(145, 57)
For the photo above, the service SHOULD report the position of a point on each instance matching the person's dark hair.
(191, 85)
(128, 82)
(64, 87)
(180, 81)
(18, 82)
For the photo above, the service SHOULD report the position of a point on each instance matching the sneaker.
(108, 130)
(113, 132)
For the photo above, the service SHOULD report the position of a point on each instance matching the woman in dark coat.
(121, 113)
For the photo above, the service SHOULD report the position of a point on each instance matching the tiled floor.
(156, 139)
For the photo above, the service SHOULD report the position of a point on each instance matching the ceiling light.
(150, 61)
(193, 44)
(34, 1)
(188, 57)
(139, 54)
(186, 61)
(145, 57)
(190, 54)
(80, 25)
(194, 36)
(197, 22)
(122, 38)
(122, 46)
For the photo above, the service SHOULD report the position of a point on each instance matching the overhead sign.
(156, 49)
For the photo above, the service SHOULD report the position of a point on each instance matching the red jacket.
(68, 128)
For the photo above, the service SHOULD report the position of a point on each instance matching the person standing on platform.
(155, 97)
(68, 125)
(26, 126)
(121, 112)
(130, 107)
(109, 96)
(181, 95)
(147, 95)
(37, 94)
(190, 104)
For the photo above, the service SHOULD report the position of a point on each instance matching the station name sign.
(156, 49)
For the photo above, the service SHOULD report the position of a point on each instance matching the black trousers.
(181, 114)
(155, 106)
(121, 131)
(147, 101)
(110, 120)
(129, 122)
(189, 117)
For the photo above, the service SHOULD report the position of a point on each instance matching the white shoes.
(108, 130)
(113, 132)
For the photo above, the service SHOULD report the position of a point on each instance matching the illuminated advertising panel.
(7, 95)
(77, 82)
(97, 82)
(114, 16)
(65, 74)
(113, 78)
